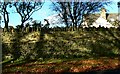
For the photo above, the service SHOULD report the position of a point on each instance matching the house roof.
(112, 16)
(94, 17)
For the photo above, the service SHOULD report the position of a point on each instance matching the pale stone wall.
(102, 21)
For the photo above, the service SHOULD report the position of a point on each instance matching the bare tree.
(74, 11)
(26, 9)
(5, 13)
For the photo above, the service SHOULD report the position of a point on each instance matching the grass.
(67, 51)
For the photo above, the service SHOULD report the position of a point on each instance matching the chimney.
(103, 13)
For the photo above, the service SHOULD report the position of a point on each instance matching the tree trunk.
(6, 23)
(22, 25)
(5, 16)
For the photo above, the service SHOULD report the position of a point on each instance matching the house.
(101, 20)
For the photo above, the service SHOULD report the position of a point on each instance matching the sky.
(46, 11)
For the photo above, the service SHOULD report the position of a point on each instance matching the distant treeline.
(39, 28)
